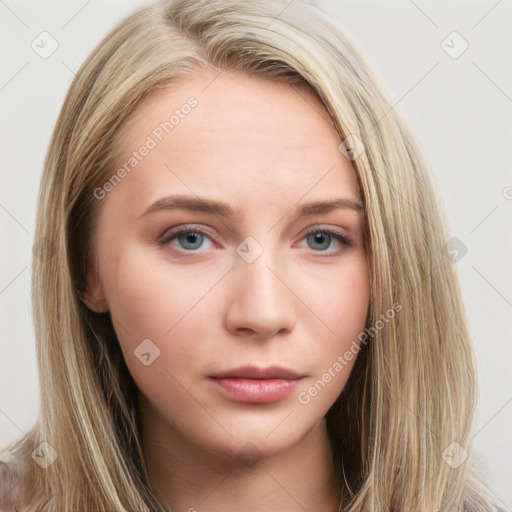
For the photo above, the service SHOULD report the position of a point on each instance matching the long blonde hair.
(413, 389)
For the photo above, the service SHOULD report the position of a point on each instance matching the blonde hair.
(413, 389)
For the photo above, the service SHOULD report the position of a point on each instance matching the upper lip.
(252, 372)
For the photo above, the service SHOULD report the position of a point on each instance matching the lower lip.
(257, 391)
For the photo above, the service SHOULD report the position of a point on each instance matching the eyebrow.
(200, 204)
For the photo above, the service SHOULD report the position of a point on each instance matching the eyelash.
(168, 237)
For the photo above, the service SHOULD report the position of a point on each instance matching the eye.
(320, 239)
(189, 239)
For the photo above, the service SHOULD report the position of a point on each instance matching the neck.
(189, 478)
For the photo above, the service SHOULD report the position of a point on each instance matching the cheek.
(156, 312)
(353, 299)
(342, 307)
(354, 302)
(340, 298)
(150, 299)
(147, 295)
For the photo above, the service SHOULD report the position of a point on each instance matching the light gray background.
(459, 107)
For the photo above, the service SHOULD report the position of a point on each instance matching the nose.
(261, 303)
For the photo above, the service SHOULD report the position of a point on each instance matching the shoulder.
(8, 480)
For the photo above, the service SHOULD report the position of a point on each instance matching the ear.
(93, 296)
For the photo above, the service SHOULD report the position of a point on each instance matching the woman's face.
(232, 308)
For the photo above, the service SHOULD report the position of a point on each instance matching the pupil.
(189, 239)
(321, 239)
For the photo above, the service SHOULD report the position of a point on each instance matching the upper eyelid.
(184, 228)
(192, 227)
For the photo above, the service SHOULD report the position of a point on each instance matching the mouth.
(250, 384)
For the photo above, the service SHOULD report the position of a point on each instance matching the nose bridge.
(262, 302)
(255, 271)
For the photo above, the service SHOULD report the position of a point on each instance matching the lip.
(250, 384)
(253, 372)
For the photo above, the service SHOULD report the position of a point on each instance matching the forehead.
(233, 136)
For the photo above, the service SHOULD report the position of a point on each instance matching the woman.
(258, 368)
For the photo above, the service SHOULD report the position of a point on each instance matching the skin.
(264, 148)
